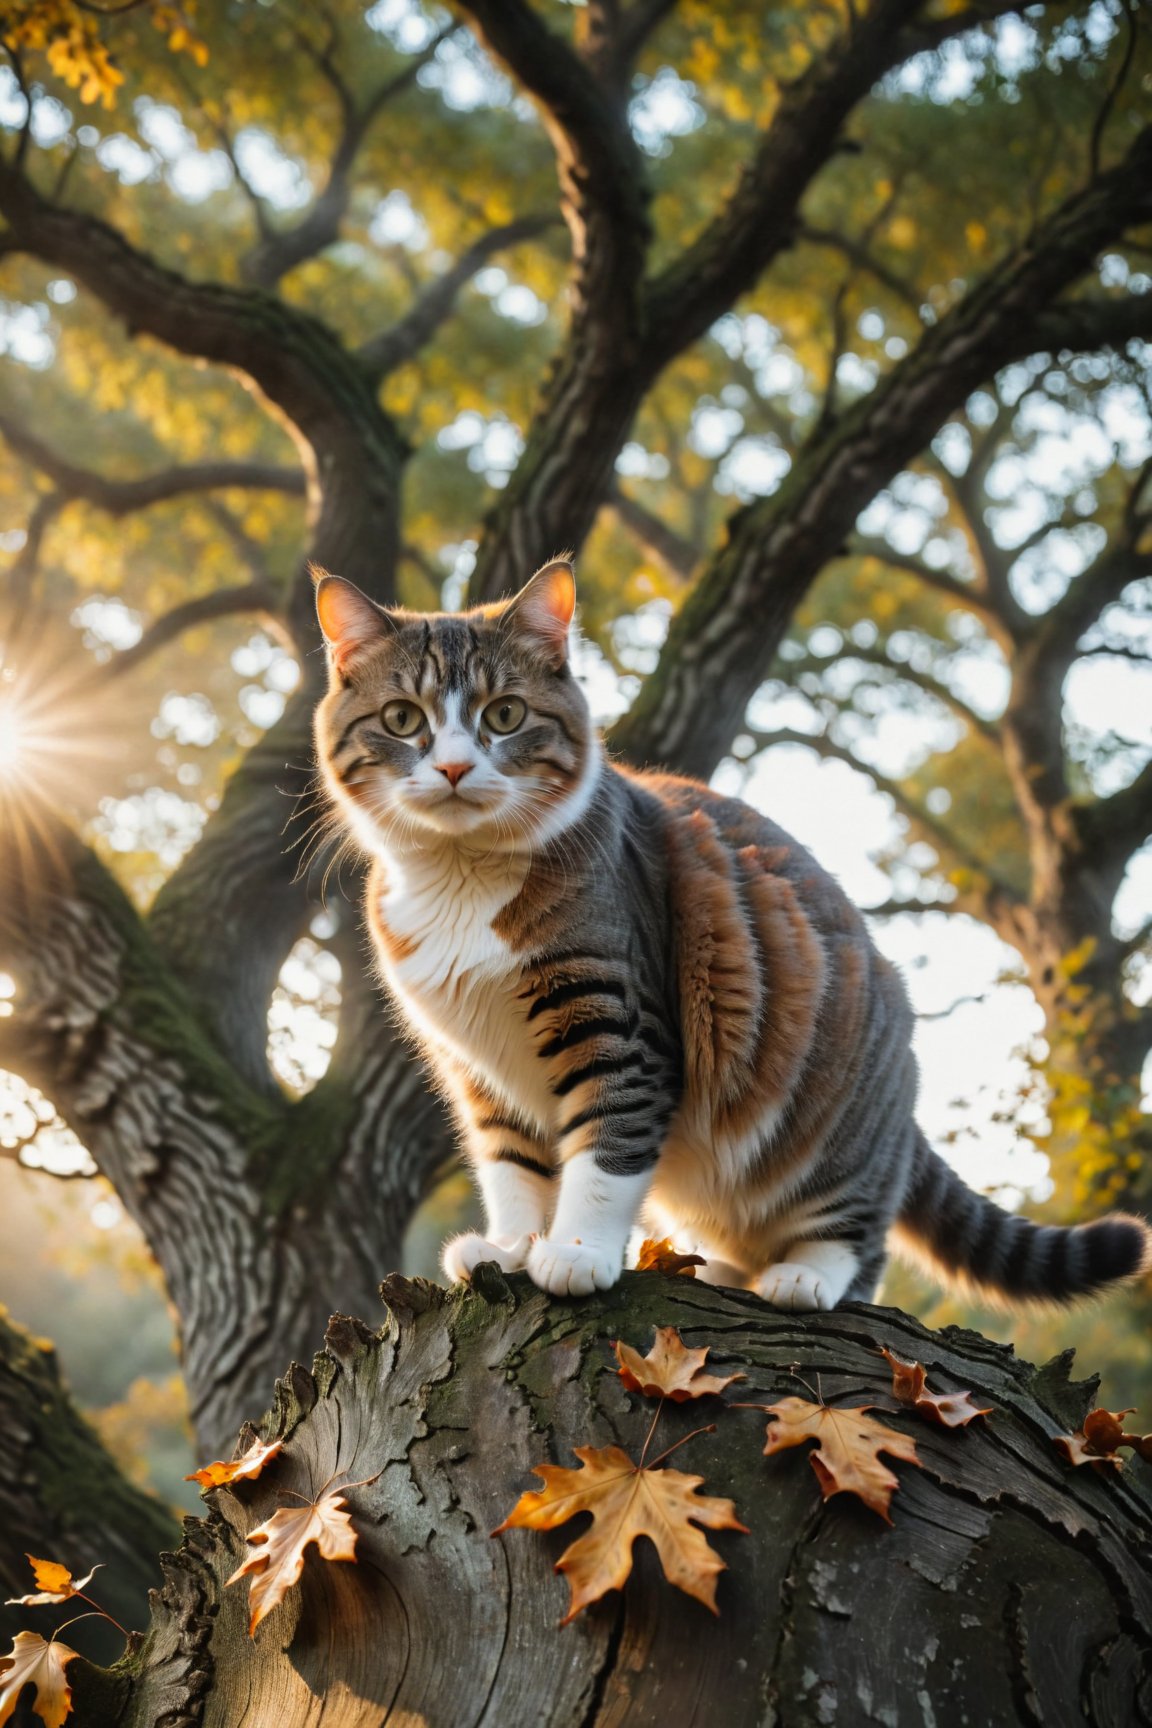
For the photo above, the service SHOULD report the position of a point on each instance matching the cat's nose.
(454, 772)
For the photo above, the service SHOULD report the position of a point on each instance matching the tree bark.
(1011, 1587)
(63, 1498)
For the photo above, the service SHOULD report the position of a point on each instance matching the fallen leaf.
(947, 1409)
(281, 1541)
(33, 1659)
(243, 1469)
(1097, 1441)
(56, 1583)
(849, 1443)
(626, 1502)
(661, 1256)
(670, 1370)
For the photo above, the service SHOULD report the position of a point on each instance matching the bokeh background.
(877, 734)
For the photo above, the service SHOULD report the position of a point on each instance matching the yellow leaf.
(33, 1660)
(281, 1541)
(626, 1502)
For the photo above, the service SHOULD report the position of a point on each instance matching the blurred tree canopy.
(822, 332)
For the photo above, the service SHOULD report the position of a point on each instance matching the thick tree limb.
(759, 219)
(599, 382)
(953, 1594)
(402, 341)
(693, 705)
(297, 363)
(136, 1069)
(61, 1494)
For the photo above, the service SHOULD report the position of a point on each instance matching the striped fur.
(639, 997)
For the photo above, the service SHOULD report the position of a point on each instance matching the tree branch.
(673, 553)
(293, 359)
(282, 250)
(222, 603)
(759, 219)
(858, 253)
(900, 671)
(1116, 827)
(120, 497)
(990, 899)
(694, 703)
(402, 341)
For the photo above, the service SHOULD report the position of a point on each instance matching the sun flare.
(12, 739)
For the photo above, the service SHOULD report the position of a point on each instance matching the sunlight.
(12, 739)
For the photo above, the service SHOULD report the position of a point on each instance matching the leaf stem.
(651, 1431)
(109, 1617)
(668, 1451)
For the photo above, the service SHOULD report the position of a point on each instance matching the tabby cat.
(640, 998)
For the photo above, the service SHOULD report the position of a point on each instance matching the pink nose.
(454, 772)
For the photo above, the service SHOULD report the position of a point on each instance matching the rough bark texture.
(1010, 1589)
(63, 1498)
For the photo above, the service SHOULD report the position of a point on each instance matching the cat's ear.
(350, 621)
(544, 607)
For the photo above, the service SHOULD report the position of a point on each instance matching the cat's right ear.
(351, 622)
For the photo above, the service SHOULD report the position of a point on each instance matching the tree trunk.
(1011, 1587)
(63, 1498)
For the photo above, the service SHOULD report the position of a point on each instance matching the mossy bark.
(62, 1497)
(1011, 1588)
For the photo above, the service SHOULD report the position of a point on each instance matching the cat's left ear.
(544, 607)
(351, 622)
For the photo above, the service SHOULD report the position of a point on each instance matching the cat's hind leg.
(815, 1275)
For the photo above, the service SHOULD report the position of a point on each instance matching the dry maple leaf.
(626, 1501)
(1096, 1442)
(243, 1469)
(56, 1583)
(948, 1409)
(670, 1370)
(850, 1442)
(33, 1659)
(661, 1256)
(280, 1543)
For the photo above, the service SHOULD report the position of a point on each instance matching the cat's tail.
(956, 1232)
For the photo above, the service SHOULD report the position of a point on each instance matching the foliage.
(335, 164)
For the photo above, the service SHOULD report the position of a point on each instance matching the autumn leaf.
(849, 1444)
(947, 1409)
(670, 1369)
(56, 1583)
(280, 1543)
(33, 1659)
(1097, 1441)
(626, 1501)
(663, 1257)
(243, 1469)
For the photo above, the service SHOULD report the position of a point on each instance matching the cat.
(639, 996)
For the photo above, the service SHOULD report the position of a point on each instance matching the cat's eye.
(505, 714)
(402, 719)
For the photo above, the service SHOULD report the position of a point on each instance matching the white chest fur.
(456, 978)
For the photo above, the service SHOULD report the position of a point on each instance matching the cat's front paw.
(463, 1254)
(571, 1268)
(800, 1288)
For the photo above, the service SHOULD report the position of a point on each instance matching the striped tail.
(998, 1254)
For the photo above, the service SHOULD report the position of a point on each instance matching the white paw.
(464, 1253)
(791, 1285)
(571, 1269)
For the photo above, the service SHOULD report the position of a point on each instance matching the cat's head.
(453, 723)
